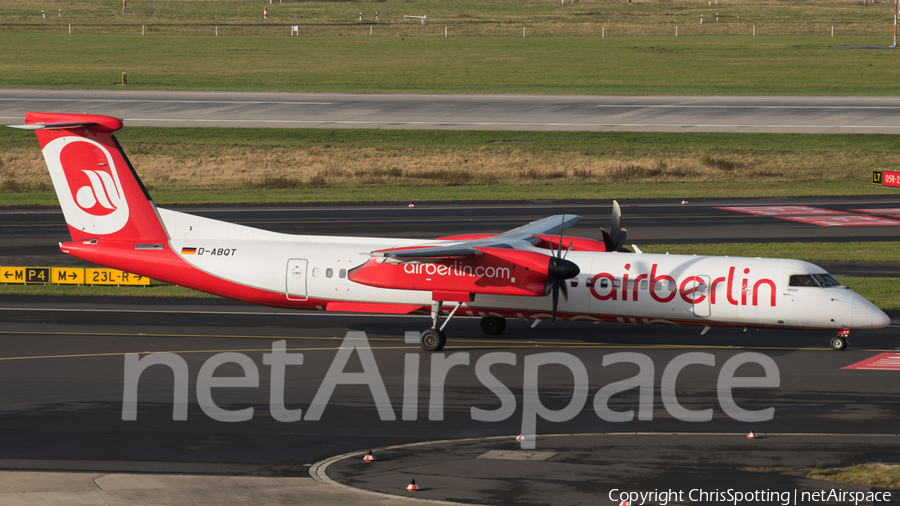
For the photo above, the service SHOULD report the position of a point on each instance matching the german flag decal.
(188, 251)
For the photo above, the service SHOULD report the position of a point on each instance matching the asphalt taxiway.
(64, 370)
(64, 367)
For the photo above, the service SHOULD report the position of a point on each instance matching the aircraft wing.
(516, 238)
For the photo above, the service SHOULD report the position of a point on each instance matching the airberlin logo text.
(692, 289)
(457, 269)
(484, 369)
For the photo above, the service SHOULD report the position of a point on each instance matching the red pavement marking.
(888, 210)
(880, 362)
(781, 210)
(842, 221)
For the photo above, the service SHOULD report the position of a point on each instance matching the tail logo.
(87, 184)
(102, 190)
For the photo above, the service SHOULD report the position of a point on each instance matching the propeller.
(558, 271)
(616, 237)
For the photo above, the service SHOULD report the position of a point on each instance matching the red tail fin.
(98, 190)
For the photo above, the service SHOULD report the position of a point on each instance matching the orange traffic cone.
(520, 437)
(411, 205)
(684, 202)
(625, 503)
(369, 457)
(412, 486)
(752, 435)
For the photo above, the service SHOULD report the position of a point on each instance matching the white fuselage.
(637, 288)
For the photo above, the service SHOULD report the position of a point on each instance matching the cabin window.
(574, 282)
(665, 285)
(589, 282)
(329, 272)
(802, 280)
(604, 283)
(315, 272)
(342, 273)
(644, 284)
(826, 280)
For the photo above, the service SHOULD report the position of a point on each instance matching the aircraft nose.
(867, 316)
(879, 319)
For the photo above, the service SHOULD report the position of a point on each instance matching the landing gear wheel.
(838, 343)
(493, 324)
(433, 340)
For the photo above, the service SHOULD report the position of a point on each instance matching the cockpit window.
(823, 280)
(826, 280)
(802, 280)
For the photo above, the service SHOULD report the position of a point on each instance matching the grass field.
(214, 165)
(708, 65)
(879, 475)
(462, 17)
(563, 51)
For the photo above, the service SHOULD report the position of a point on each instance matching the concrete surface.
(29, 488)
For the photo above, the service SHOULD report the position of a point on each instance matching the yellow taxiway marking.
(487, 344)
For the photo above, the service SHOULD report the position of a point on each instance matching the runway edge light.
(369, 457)
(412, 486)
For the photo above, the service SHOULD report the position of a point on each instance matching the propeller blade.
(569, 247)
(607, 240)
(622, 235)
(558, 271)
(562, 223)
(616, 223)
(555, 300)
(615, 238)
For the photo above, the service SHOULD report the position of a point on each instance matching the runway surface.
(469, 112)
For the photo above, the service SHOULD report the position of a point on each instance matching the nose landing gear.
(839, 342)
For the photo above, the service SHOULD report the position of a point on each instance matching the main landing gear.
(493, 324)
(839, 342)
(434, 339)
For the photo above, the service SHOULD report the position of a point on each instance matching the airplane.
(520, 273)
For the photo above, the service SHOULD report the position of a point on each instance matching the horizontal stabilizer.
(53, 126)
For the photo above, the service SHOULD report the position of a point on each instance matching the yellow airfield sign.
(113, 277)
(67, 276)
(12, 274)
(23, 275)
(70, 276)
